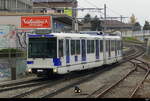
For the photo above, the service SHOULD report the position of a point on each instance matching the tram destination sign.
(33, 22)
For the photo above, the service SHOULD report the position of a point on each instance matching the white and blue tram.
(61, 53)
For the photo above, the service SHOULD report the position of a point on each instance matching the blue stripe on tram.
(83, 58)
(97, 57)
(76, 58)
(57, 62)
(67, 59)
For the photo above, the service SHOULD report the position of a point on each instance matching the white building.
(10, 5)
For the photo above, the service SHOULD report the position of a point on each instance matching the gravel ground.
(101, 81)
(125, 88)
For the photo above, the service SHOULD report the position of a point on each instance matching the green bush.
(12, 53)
(11, 50)
(131, 39)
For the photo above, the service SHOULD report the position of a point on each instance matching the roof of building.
(54, 1)
(115, 23)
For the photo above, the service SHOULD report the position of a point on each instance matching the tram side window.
(67, 47)
(92, 46)
(101, 45)
(119, 45)
(78, 47)
(61, 48)
(109, 48)
(73, 47)
(115, 47)
(107, 45)
(112, 45)
(88, 46)
(111, 42)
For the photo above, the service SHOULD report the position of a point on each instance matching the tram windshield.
(42, 48)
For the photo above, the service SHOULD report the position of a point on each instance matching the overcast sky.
(140, 8)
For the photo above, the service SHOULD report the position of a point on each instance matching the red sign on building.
(36, 22)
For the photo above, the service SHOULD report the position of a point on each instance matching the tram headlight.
(55, 70)
(30, 70)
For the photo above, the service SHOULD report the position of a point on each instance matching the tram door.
(83, 47)
(97, 49)
(109, 49)
(67, 52)
(115, 48)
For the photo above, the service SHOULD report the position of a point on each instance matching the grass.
(131, 39)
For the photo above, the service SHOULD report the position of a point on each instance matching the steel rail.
(133, 56)
(139, 85)
(114, 85)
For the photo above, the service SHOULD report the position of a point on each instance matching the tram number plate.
(39, 70)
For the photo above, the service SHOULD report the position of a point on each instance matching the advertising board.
(36, 22)
(68, 12)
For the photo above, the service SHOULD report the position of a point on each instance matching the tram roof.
(78, 35)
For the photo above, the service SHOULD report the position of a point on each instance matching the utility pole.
(75, 21)
(105, 17)
(105, 28)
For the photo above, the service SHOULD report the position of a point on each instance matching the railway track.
(137, 54)
(23, 85)
(145, 77)
(145, 66)
(20, 82)
(85, 77)
(135, 90)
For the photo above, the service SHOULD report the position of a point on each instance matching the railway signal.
(77, 89)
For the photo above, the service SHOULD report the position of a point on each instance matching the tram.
(62, 53)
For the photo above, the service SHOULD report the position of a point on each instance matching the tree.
(96, 24)
(146, 26)
(87, 18)
(133, 19)
(137, 26)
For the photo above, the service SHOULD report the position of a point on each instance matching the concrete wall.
(13, 20)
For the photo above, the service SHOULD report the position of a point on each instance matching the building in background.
(16, 5)
(67, 7)
(115, 25)
(110, 25)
